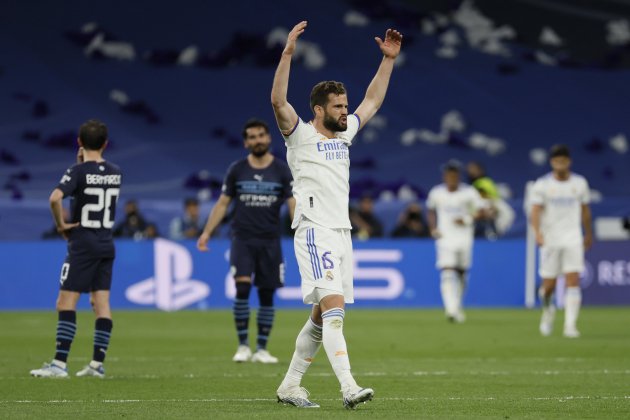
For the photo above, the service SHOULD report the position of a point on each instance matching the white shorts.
(324, 258)
(458, 256)
(557, 260)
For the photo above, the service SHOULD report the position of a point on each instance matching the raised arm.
(216, 215)
(375, 93)
(286, 116)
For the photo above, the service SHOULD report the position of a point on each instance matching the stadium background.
(477, 81)
(189, 73)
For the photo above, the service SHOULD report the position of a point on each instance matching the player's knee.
(65, 303)
(243, 288)
(548, 286)
(448, 274)
(330, 302)
(64, 307)
(100, 306)
(103, 312)
(573, 281)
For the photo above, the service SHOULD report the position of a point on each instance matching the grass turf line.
(166, 365)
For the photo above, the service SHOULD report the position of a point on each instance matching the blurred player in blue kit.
(94, 187)
(258, 185)
(319, 157)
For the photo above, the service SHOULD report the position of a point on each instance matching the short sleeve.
(296, 132)
(287, 182)
(537, 195)
(585, 194)
(69, 181)
(229, 183)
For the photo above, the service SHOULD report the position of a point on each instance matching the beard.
(259, 150)
(334, 125)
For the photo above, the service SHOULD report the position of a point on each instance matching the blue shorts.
(86, 274)
(262, 259)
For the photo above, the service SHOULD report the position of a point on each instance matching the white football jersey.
(321, 173)
(452, 205)
(561, 222)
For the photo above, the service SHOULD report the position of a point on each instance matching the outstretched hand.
(391, 46)
(293, 36)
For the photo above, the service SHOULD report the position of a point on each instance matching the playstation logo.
(171, 287)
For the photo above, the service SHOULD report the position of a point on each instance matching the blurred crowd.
(497, 218)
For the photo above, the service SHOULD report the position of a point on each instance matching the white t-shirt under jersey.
(561, 222)
(321, 173)
(465, 201)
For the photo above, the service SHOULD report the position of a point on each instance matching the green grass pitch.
(178, 365)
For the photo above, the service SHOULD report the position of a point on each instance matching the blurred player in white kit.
(561, 220)
(453, 207)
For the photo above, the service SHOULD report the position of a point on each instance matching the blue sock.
(241, 311)
(265, 322)
(265, 316)
(102, 334)
(66, 329)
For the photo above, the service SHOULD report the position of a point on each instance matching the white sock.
(335, 347)
(572, 303)
(450, 288)
(307, 344)
(95, 365)
(59, 363)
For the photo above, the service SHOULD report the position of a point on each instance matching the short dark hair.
(254, 122)
(191, 202)
(452, 165)
(93, 134)
(559, 150)
(320, 92)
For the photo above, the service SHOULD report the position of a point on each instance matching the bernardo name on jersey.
(92, 179)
